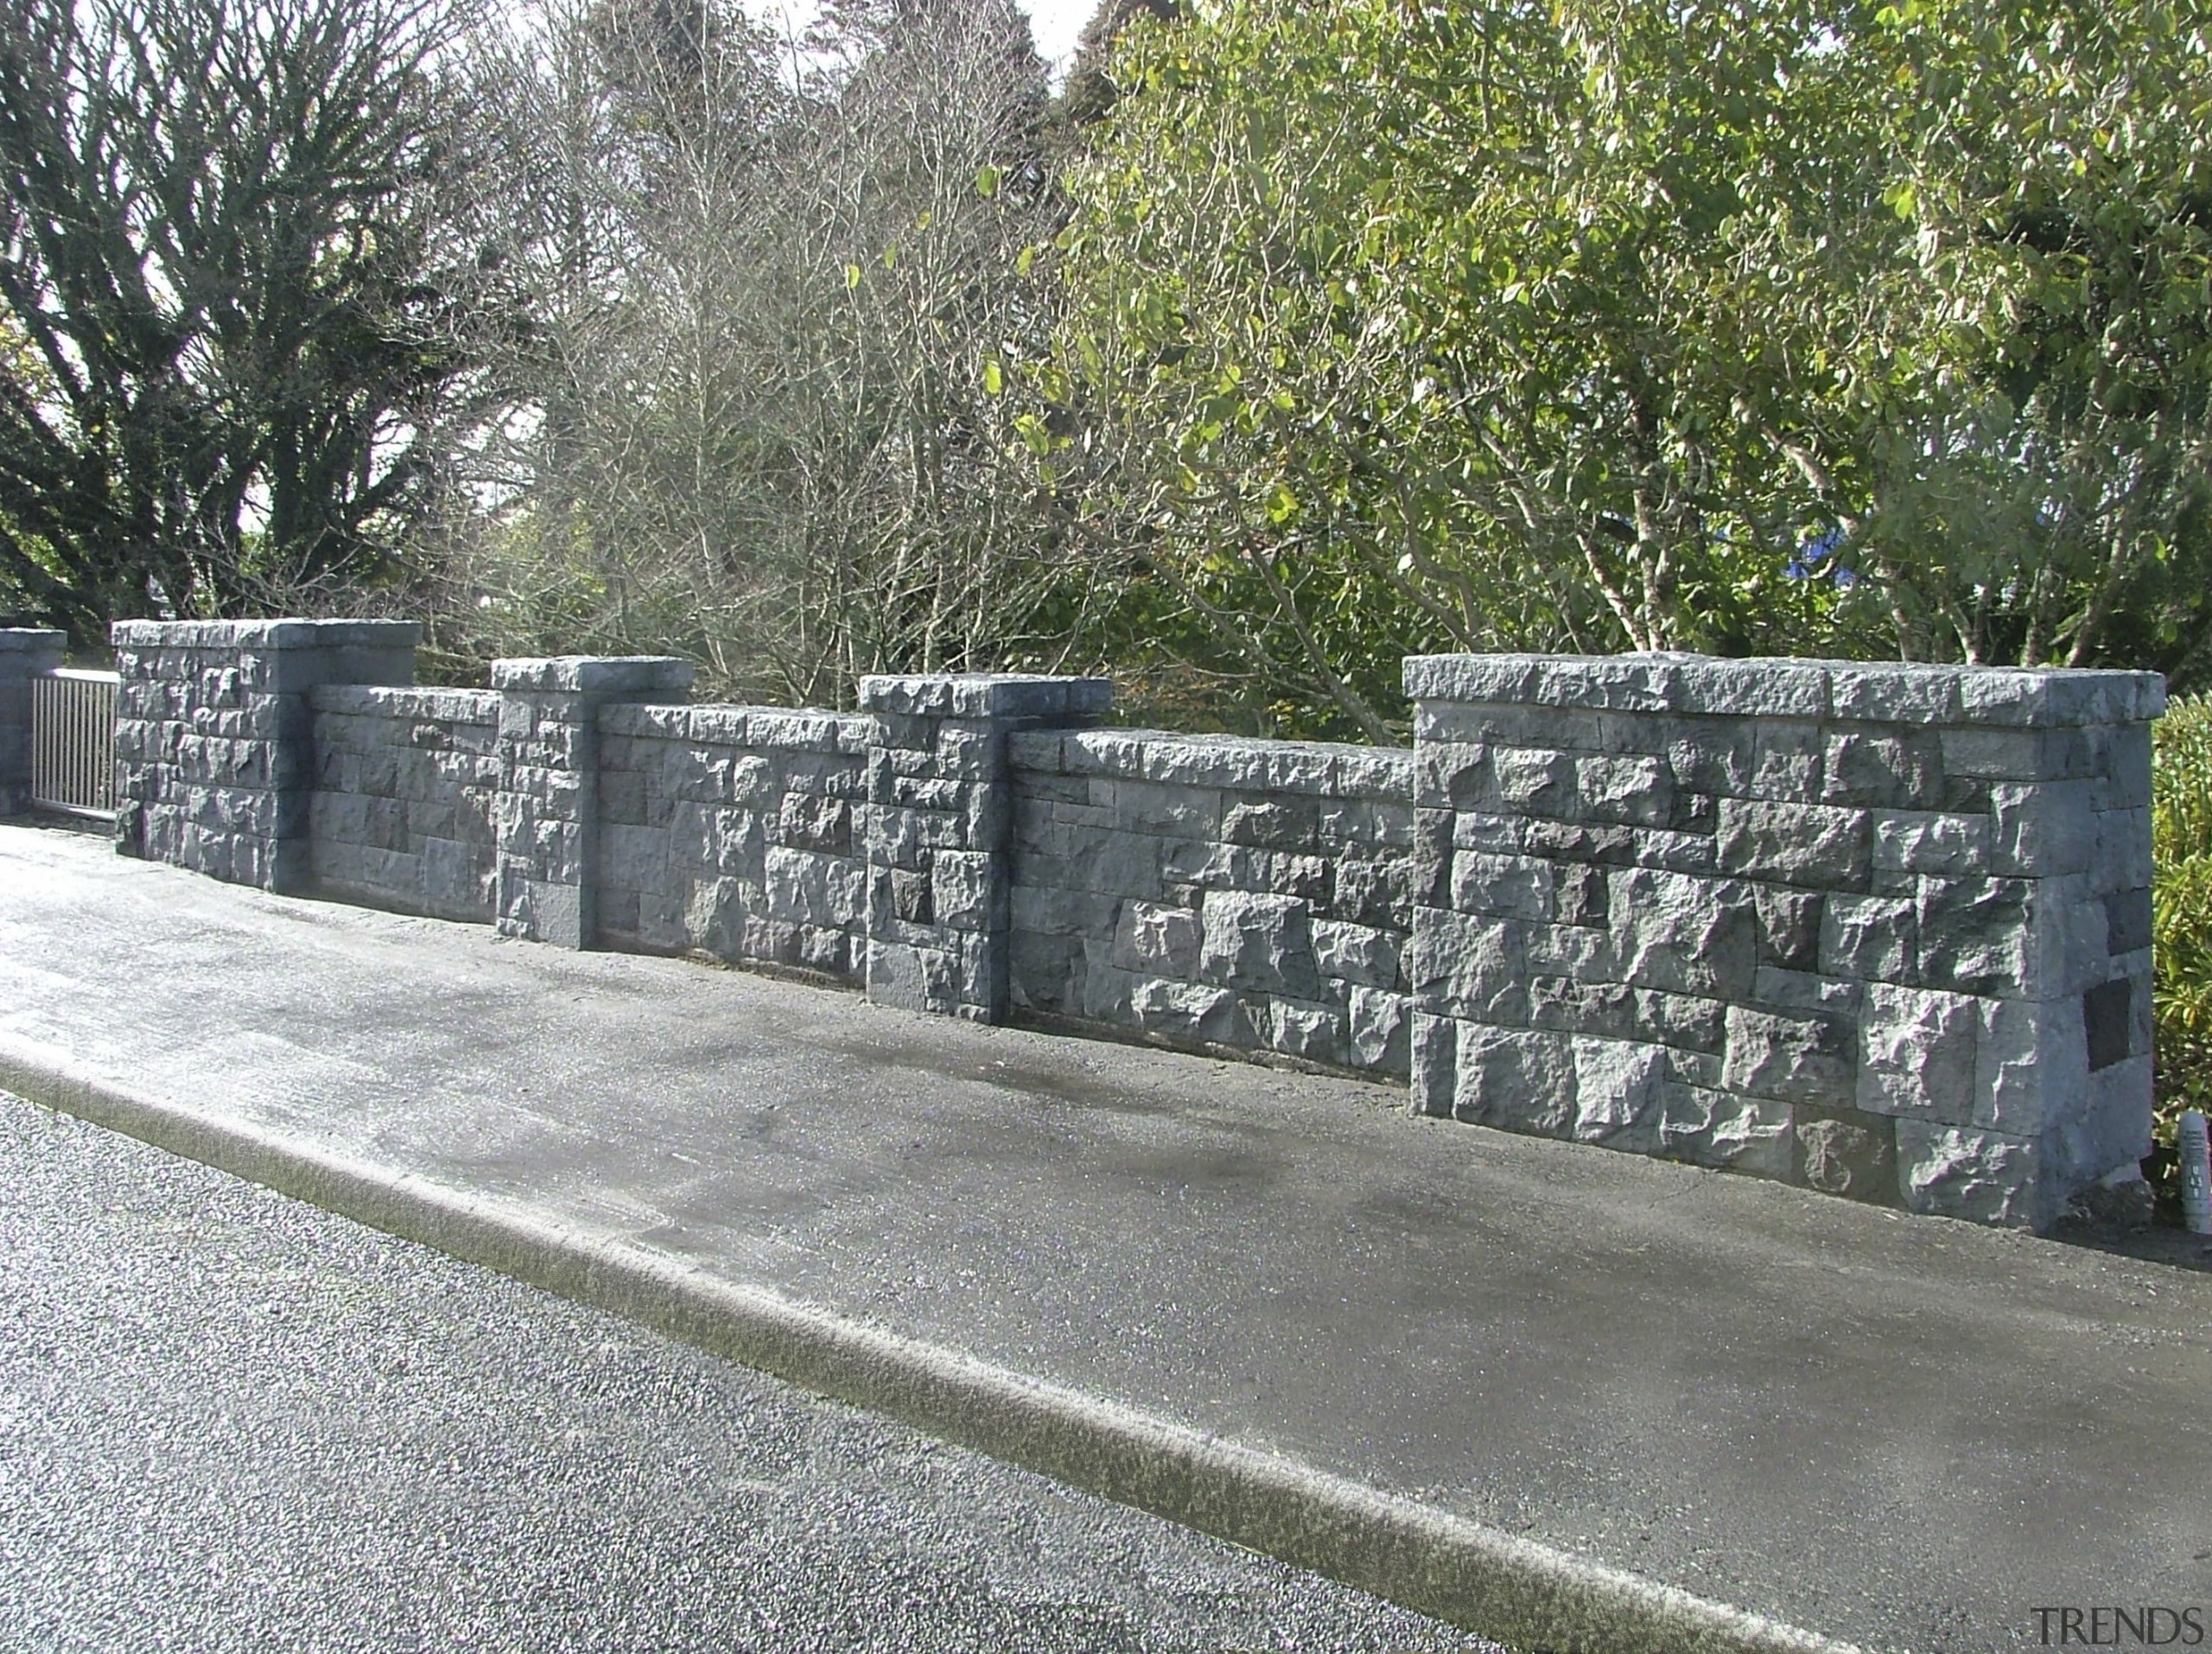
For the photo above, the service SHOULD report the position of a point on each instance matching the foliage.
(2181, 840)
(221, 240)
(1290, 339)
(2053, 354)
(761, 417)
(1753, 326)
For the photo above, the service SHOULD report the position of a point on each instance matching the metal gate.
(72, 742)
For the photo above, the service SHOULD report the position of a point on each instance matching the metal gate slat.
(72, 741)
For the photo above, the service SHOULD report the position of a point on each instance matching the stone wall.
(1881, 929)
(215, 736)
(732, 832)
(941, 793)
(405, 784)
(1249, 894)
(546, 822)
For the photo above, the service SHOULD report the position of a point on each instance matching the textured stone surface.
(1755, 914)
(1984, 1177)
(1524, 1081)
(1917, 1055)
(942, 837)
(215, 736)
(655, 677)
(549, 875)
(734, 832)
(1888, 924)
(406, 783)
(1788, 1059)
(1620, 1090)
(1848, 1153)
(1899, 692)
(1216, 891)
(1726, 1130)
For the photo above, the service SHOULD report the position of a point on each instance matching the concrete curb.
(1535, 1598)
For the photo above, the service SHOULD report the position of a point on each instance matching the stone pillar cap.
(266, 634)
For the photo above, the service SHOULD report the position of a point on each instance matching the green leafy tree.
(1603, 325)
(220, 238)
(1088, 93)
(2035, 479)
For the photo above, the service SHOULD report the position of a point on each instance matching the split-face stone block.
(1874, 938)
(1821, 845)
(1620, 1092)
(1917, 1051)
(1788, 1059)
(1844, 1153)
(1158, 940)
(1261, 943)
(1728, 1131)
(1377, 1026)
(1684, 934)
(940, 829)
(1985, 1177)
(1517, 1079)
(1934, 842)
(221, 781)
(1889, 924)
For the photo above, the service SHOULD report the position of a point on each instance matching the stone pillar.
(1883, 930)
(546, 817)
(25, 654)
(214, 735)
(938, 830)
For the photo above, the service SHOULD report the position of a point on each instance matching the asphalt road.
(229, 1420)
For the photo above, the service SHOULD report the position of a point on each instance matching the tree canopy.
(1747, 326)
(1287, 339)
(220, 251)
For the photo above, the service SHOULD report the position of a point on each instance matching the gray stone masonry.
(26, 653)
(940, 807)
(214, 735)
(732, 832)
(406, 785)
(1256, 895)
(547, 821)
(1883, 930)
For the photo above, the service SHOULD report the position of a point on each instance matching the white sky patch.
(1055, 23)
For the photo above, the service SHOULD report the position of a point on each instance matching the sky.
(1057, 23)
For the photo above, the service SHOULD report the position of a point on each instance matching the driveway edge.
(1533, 1597)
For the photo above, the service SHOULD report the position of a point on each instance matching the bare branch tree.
(763, 421)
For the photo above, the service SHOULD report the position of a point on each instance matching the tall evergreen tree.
(218, 239)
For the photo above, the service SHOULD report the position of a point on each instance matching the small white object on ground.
(2196, 1173)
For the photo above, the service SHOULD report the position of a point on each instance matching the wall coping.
(31, 640)
(1238, 763)
(407, 701)
(1783, 687)
(725, 724)
(986, 695)
(596, 674)
(266, 634)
